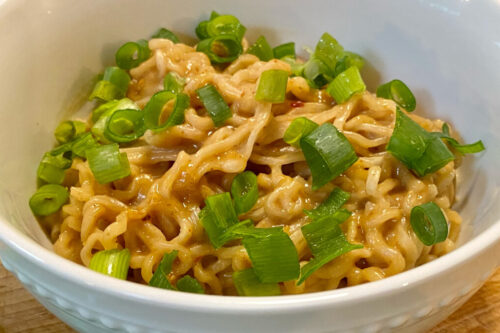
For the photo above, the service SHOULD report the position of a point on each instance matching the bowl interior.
(442, 51)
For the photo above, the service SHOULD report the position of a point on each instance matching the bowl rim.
(81, 275)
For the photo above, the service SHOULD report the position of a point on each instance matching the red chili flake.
(297, 104)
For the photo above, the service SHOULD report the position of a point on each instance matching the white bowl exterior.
(447, 51)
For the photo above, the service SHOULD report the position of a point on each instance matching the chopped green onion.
(429, 223)
(261, 49)
(48, 199)
(317, 73)
(332, 204)
(114, 263)
(189, 285)
(237, 231)
(418, 149)
(125, 126)
(326, 242)
(284, 50)
(201, 30)
(273, 255)
(471, 148)
(348, 59)
(328, 50)
(105, 91)
(346, 84)
(101, 114)
(132, 54)
(102, 109)
(296, 68)
(52, 168)
(297, 129)
(399, 93)
(221, 49)
(153, 110)
(215, 105)
(272, 86)
(68, 130)
(166, 34)
(248, 284)
(107, 163)
(118, 77)
(225, 25)
(213, 15)
(173, 83)
(160, 276)
(245, 191)
(83, 143)
(217, 217)
(328, 153)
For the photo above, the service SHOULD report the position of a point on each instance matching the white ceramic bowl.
(447, 51)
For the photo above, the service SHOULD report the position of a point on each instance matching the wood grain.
(21, 313)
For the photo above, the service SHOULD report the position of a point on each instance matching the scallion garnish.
(83, 143)
(125, 126)
(248, 284)
(132, 54)
(114, 263)
(399, 93)
(101, 115)
(429, 223)
(326, 241)
(419, 150)
(335, 200)
(225, 25)
(105, 91)
(153, 110)
(190, 285)
(107, 163)
(346, 84)
(166, 34)
(160, 276)
(261, 49)
(347, 60)
(52, 168)
(286, 50)
(173, 83)
(272, 86)
(214, 103)
(245, 191)
(471, 148)
(48, 199)
(217, 217)
(118, 77)
(273, 255)
(317, 73)
(328, 153)
(328, 50)
(298, 128)
(68, 130)
(221, 49)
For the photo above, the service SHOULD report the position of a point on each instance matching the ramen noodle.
(155, 209)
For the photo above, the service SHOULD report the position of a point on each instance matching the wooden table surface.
(20, 312)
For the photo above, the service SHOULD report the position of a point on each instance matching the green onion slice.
(225, 25)
(471, 148)
(190, 285)
(245, 191)
(68, 130)
(419, 150)
(273, 255)
(81, 144)
(201, 30)
(107, 163)
(317, 73)
(328, 153)
(48, 199)
(261, 49)
(118, 77)
(217, 217)
(346, 84)
(221, 49)
(52, 168)
(101, 115)
(348, 59)
(153, 110)
(174, 83)
(248, 284)
(328, 50)
(132, 54)
(296, 68)
(399, 93)
(215, 105)
(429, 223)
(166, 34)
(332, 204)
(114, 263)
(326, 242)
(272, 86)
(160, 276)
(125, 126)
(286, 50)
(105, 91)
(298, 128)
